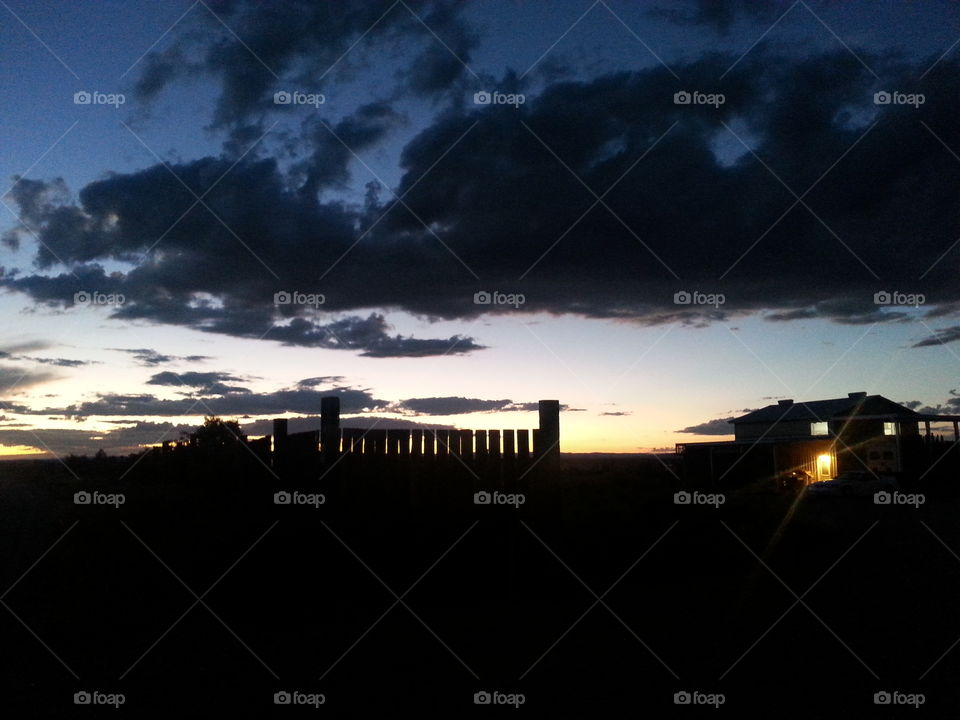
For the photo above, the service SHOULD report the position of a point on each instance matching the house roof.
(854, 404)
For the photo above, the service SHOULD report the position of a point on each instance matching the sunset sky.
(161, 197)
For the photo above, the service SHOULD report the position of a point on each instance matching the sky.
(662, 214)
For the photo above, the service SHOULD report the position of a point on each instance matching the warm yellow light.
(9, 451)
(824, 466)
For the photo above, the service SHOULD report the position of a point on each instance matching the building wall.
(792, 428)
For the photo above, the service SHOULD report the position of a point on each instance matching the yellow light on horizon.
(9, 451)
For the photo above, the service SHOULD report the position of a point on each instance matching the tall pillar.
(330, 427)
(549, 435)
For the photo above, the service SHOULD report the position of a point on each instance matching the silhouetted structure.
(471, 446)
(825, 438)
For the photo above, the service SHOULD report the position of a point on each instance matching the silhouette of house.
(823, 437)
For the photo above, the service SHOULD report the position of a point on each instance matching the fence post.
(493, 444)
(549, 429)
(279, 443)
(466, 445)
(330, 427)
(481, 436)
(523, 444)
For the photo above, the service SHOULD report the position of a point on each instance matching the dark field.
(598, 596)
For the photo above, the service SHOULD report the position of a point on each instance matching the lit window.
(889, 428)
(819, 428)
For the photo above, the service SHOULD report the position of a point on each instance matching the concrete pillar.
(403, 437)
(549, 428)
(429, 442)
(330, 427)
(443, 443)
(416, 442)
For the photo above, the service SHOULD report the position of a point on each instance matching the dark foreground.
(597, 597)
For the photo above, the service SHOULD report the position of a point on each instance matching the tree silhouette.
(217, 433)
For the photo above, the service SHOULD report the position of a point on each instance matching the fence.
(331, 441)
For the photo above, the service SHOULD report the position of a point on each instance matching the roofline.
(885, 416)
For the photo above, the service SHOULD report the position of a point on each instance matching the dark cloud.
(941, 336)
(15, 378)
(320, 380)
(232, 404)
(303, 424)
(297, 43)
(618, 413)
(721, 14)
(67, 441)
(148, 357)
(452, 405)
(64, 362)
(696, 209)
(720, 426)
(210, 383)
(463, 406)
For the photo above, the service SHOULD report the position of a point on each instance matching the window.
(889, 428)
(819, 428)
